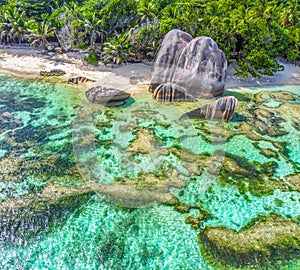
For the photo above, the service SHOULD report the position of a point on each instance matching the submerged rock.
(194, 221)
(107, 96)
(79, 79)
(267, 122)
(182, 208)
(31, 214)
(263, 239)
(171, 92)
(294, 181)
(53, 72)
(197, 65)
(221, 109)
(280, 96)
(143, 144)
(28, 215)
(130, 197)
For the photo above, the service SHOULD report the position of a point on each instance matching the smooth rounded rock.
(107, 96)
(222, 109)
(53, 72)
(80, 79)
(173, 44)
(171, 92)
(201, 68)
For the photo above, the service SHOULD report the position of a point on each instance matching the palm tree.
(92, 30)
(117, 49)
(40, 32)
(148, 9)
(12, 24)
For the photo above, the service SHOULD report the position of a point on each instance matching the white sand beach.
(27, 63)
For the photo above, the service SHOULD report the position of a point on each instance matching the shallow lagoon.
(233, 172)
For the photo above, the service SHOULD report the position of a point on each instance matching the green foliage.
(258, 63)
(145, 42)
(118, 49)
(117, 15)
(13, 27)
(92, 58)
(254, 33)
(40, 32)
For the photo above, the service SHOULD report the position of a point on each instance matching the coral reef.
(262, 241)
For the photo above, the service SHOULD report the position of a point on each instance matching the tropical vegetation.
(254, 33)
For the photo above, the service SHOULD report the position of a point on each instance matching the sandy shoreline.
(27, 62)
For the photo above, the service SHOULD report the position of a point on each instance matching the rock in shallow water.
(197, 65)
(221, 109)
(80, 79)
(171, 92)
(107, 96)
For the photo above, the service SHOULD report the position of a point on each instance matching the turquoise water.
(234, 171)
(101, 236)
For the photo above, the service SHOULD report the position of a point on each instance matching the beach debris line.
(197, 65)
(53, 72)
(107, 96)
(222, 109)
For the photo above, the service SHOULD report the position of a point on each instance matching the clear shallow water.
(38, 147)
(101, 236)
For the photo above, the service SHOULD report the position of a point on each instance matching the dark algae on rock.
(32, 214)
(252, 177)
(261, 243)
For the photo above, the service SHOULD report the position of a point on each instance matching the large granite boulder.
(107, 96)
(171, 92)
(221, 109)
(170, 49)
(201, 68)
(197, 65)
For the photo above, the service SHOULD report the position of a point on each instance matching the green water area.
(83, 186)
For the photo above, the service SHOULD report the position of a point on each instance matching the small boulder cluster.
(187, 68)
(196, 66)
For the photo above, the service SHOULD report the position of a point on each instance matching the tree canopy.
(254, 33)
